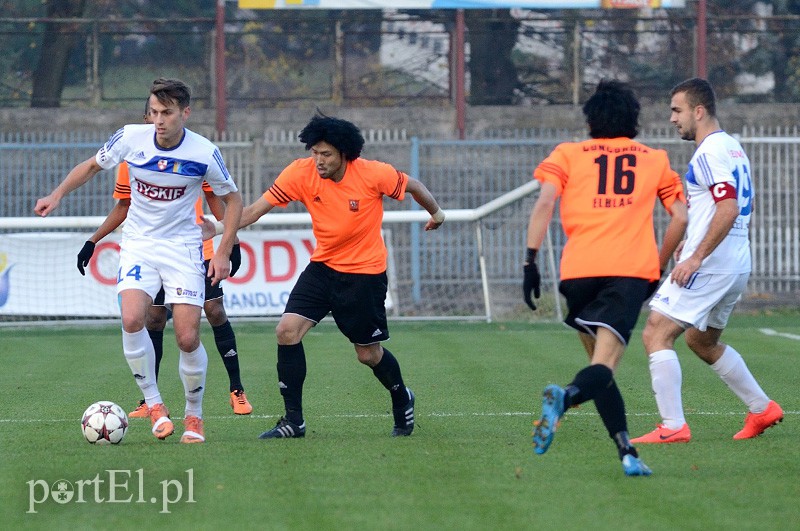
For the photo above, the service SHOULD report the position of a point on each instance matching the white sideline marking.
(771, 332)
(371, 415)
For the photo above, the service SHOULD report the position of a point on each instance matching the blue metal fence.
(439, 273)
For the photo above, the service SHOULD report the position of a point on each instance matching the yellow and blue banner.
(459, 4)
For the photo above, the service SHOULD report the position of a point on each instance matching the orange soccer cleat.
(193, 432)
(663, 435)
(756, 423)
(162, 426)
(240, 404)
(141, 411)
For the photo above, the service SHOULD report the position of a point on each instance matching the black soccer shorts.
(356, 301)
(612, 302)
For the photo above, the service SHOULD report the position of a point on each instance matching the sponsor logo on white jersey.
(160, 193)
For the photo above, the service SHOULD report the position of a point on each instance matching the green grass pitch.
(468, 465)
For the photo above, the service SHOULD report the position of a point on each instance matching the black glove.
(532, 279)
(651, 289)
(84, 256)
(236, 258)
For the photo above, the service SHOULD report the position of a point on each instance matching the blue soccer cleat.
(633, 466)
(552, 410)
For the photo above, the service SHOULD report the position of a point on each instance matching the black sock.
(587, 384)
(157, 337)
(226, 345)
(387, 371)
(624, 446)
(291, 375)
(611, 408)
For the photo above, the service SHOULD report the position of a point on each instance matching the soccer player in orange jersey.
(611, 263)
(347, 274)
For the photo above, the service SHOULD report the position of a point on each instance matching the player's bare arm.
(673, 236)
(207, 228)
(541, 215)
(724, 217)
(215, 205)
(116, 216)
(250, 214)
(77, 177)
(219, 267)
(254, 211)
(114, 219)
(423, 196)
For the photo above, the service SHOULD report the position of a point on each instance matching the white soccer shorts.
(707, 300)
(145, 264)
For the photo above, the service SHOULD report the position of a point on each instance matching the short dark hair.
(698, 92)
(612, 111)
(171, 91)
(341, 134)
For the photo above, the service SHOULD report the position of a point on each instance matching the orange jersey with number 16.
(608, 188)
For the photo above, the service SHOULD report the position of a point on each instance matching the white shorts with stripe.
(146, 264)
(707, 300)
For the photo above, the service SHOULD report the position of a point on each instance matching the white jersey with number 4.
(719, 159)
(165, 183)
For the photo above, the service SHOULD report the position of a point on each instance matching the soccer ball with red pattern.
(104, 423)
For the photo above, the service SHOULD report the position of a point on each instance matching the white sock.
(666, 378)
(192, 368)
(734, 372)
(141, 358)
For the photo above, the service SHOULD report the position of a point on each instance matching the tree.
(784, 63)
(492, 36)
(59, 40)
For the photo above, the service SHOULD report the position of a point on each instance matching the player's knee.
(156, 321)
(188, 341)
(368, 354)
(132, 323)
(649, 338)
(215, 312)
(656, 336)
(287, 334)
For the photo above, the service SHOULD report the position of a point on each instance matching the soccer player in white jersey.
(161, 241)
(713, 265)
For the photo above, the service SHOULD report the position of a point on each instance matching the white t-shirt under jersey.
(165, 183)
(719, 159)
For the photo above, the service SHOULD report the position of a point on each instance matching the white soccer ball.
(104, 423)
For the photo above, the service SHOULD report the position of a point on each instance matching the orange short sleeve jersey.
(346, 216)
(122, 190)
(608, 188)
(208, 245)
(122, 186)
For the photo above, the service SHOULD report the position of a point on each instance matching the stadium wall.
(431, 122)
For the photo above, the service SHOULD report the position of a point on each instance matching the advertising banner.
(39, 277)
(457, 4)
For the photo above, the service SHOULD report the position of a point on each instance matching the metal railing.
(442, 273)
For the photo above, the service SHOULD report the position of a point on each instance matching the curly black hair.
(612, 111)
(341, 134)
